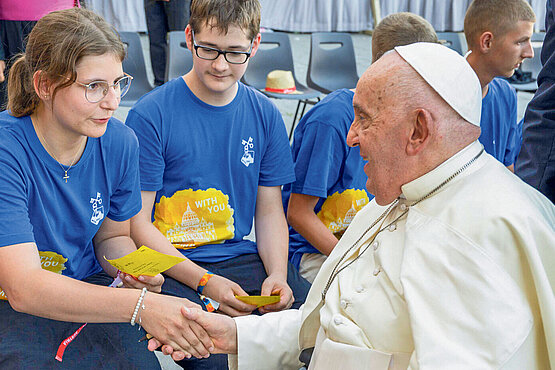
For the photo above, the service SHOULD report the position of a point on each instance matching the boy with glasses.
(213, 155)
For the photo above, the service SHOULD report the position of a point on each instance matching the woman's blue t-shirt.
(62, 218)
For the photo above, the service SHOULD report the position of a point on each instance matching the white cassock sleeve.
(466, 311)
(268, 342)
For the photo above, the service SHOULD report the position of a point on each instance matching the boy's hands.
(223, 291)
(151, 283)
(220, 328)
(277, 285)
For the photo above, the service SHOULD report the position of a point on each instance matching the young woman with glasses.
(69, 185)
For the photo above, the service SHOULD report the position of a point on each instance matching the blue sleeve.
(276, 167)
(513, 142)
(536, 161)
(151, 156)
(319, 160)
(15, 225)
(125, 201)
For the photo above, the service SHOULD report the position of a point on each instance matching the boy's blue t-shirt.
(500, 131)
(326, 167)
(62, 218)
(206, 163)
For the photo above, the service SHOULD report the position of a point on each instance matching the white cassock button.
(377, 271)
(403, 207)
(392, 227)
(375, 245)
(343, 304)
(337, 320)
(359, 289)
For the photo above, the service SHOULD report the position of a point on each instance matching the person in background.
(17, 19)
(331, 185)
(449, 266)
(163, 16)
(213, 156)
(536, 161)
(498, 36)
(69, 185)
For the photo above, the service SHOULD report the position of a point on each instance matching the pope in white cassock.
(452, 266)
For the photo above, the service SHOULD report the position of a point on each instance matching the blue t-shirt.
(326, 167)
(206, 163)
(62, 218)
(500, 131)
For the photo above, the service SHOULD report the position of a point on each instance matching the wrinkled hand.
(275, 285)
(223, 291)
(151, 283)
(221, 329)
(163, 319)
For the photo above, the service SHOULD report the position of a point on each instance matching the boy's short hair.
(221, 14)
(495, 16)
(400, 29)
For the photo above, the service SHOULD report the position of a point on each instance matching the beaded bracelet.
(134, 317)
(203, 280)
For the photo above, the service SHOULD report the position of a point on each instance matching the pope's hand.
(221, 329)
(162, 318)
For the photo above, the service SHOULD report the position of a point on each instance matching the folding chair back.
(275, 53)
(134, 64)
(179, 58)
(453, 40)
(332, 62)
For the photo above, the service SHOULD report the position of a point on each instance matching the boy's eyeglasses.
(96, 91)
(232, 57)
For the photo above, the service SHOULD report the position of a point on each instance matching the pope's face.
(379, 131)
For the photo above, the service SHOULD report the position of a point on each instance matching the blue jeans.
(31, 342)
(247, 271)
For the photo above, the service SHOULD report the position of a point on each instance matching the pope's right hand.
(221, 329)
(163, 319)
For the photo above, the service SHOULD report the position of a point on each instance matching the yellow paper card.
(258, 300)
(145, 261)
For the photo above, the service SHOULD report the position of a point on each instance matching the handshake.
(206, 333)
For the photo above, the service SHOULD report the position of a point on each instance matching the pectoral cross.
(65, 176)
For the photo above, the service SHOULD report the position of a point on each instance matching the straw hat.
(281, 82)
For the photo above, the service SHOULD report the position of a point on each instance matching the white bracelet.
(134, 317)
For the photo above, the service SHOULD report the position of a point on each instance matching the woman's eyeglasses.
(95, 91)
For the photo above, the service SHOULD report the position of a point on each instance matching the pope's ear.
(420, 131)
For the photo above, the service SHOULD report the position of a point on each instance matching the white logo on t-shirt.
(248, 155)
(98, 209)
